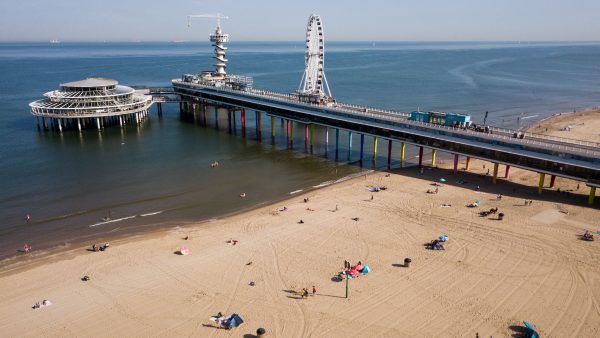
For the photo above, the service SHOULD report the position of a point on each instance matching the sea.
(82, 188)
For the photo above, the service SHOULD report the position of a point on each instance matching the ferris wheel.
(314, 80)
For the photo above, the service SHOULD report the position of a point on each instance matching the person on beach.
(371, 197)
(28, 218)
(478, 189)
(336, 207)
(314, 290)
(26, 248)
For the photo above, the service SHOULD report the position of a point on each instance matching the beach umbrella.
(184, 251)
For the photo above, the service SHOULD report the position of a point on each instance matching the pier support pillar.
(243, 113)
(217, 117)
(420, 157)
(291, 133)
(349, 145)
(592, 195)
(44, 123)
(541, 183)
(59, 126)
(312, 136)
(98, 122)
(137, 120)
(79, 125)
(229, 120)
(121, 121)
(362, 147)
(326, 140)
(306, 135)
(272, 126)
(467, 164)
(389, 163)
(433, 157)
(495, 173)
(455, 164)
(374, 149)
(552, 179)
(259, 123)
(402, 152)
(507, 172)
(337, 143)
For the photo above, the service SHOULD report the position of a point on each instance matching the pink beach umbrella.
(184, 251)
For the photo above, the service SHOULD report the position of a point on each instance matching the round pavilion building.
(91, 103)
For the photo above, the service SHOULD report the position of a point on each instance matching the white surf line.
(152, 213)
(112, 221)
(324, 184)
(528, 117)
(296, 191)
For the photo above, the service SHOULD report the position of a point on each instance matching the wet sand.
(493, 274)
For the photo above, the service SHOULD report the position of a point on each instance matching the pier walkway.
(548, 156)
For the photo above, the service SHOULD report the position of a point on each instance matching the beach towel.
(43, 304)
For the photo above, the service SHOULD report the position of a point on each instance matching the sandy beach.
(493, 274)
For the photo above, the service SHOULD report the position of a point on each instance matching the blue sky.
(275, 20)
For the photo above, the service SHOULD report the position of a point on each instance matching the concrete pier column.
(120, 120)
(326, 139)
(507, 172)
(592, 195)
(455, 164)
(495, 173)
(137, 120)
(229, 120)
(306, 135)
(181, 107)
(44, 123)
(59, 126)
(389, 164)
(349, 145)
(362, 147)
(273, 126)
(287, 129)
(552, 179)
(467, 165)
(291, 133)
(259, 124)
(375, 148)
(234, 124)
(337, 143)
(541, 183)
(420, 157)
(402, 153)
(79, 125)
(312, 136)
(243, 122)
(98, 122)
(433, 157)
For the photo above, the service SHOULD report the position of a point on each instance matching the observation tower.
(91, 103)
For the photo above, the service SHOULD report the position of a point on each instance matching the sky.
(285, 20)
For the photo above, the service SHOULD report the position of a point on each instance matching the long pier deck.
(577, 160)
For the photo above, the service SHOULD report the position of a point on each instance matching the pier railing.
(399, 119)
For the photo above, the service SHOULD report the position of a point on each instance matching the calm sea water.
(67, 183)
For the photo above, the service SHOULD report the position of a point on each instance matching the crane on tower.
(218, 38)
(209, 16)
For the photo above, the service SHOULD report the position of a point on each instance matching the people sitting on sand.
(214, 164)
(283, 209)
(243, 195)
(95, 247)
(446, 205)
(300, 222)
(104, 247)
(306, 200)
(26, 248)
(499, 197)
(429, 191)
(232, 241)
(587, 236)
(435, 245)
(355, 219)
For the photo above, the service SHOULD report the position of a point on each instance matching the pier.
(313, 105)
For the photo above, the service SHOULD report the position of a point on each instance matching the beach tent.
(366, 270)
(233, 321)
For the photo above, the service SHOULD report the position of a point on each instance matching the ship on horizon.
(54, 41)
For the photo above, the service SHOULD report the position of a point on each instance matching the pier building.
(90, 103)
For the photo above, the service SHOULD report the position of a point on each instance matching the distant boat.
(54, 41)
